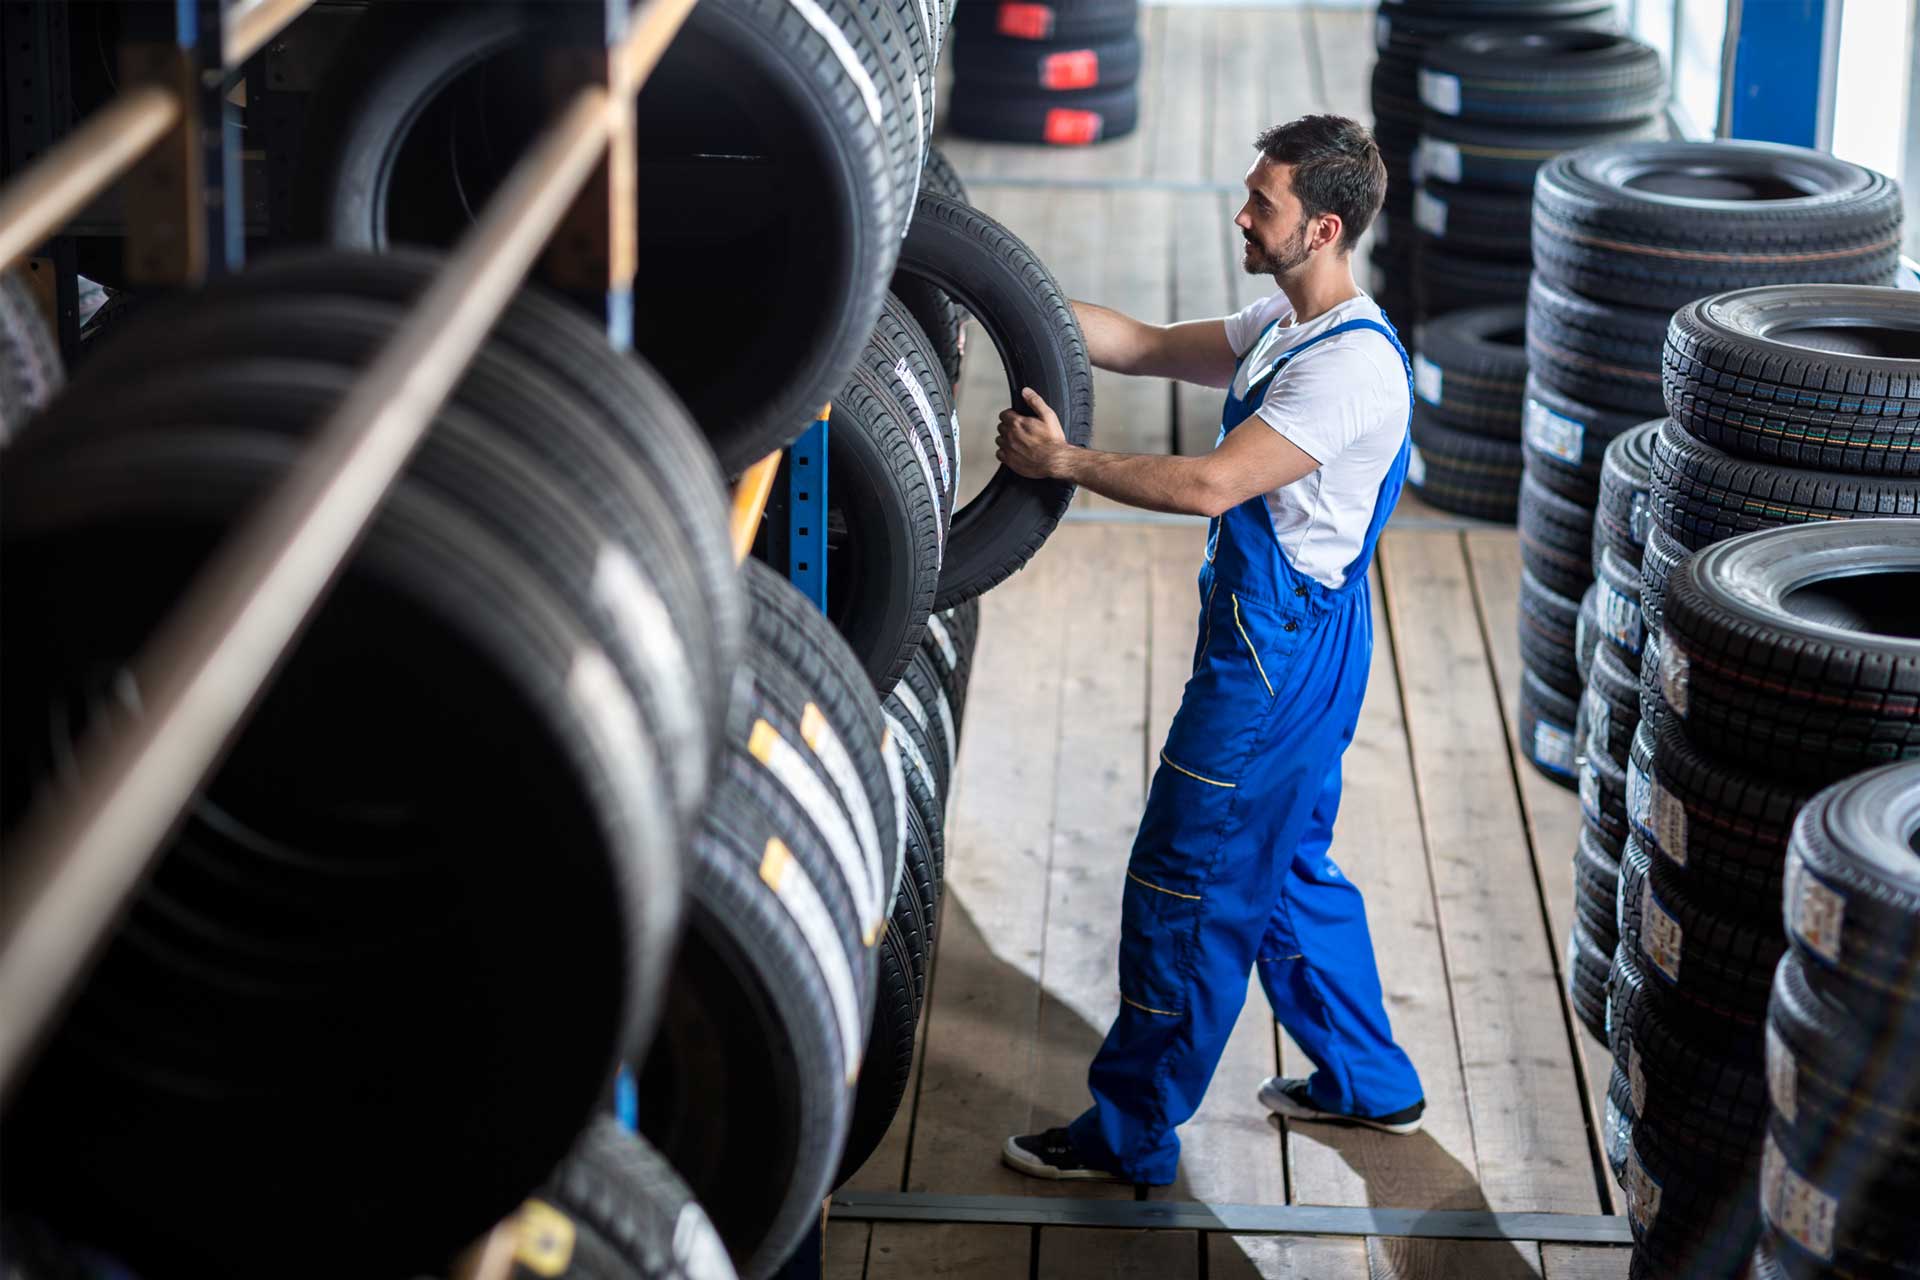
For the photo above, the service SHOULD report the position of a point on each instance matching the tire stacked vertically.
(1059, 72)
(1621, 234)
(1469, 377)
(1837, 1174)
(1403, 31)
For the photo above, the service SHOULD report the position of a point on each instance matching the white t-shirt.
(1344, 402)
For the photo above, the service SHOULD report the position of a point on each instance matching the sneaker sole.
(1019, 1161)
(1285, 1107)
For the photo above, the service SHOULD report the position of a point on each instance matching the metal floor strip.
(1235, 1219)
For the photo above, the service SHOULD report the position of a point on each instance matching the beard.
(1262, 261)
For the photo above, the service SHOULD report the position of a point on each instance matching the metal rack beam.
(78, 858)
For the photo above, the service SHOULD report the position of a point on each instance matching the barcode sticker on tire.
(1439, 160)
(1553, 746)
(1815, 913)
(1600, 727)
(1795, 1207)
(1428, 379)
(1669, 823)
(1660, 936)
(1416, 467)
(1620, 617)
(1440, 91)
(1639, 519)
(1781, 1076)
(1430, 213)
(1590, 792)
(1643, 1191)
(1636, 1081)
(1639, 790)
(1553, 433)
(1673, 677)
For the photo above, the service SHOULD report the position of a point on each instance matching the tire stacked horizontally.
(1403, 31)
(1838, 1169)
(1498, 104)
(465, 796)
(1469, 378)
(1621, 233)
(1059, 72)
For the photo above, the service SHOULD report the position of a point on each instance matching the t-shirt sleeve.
(1244, 326)
(1331, 399)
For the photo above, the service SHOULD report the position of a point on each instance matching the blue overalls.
(1229, 870)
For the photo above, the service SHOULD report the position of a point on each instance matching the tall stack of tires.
(1062, 72)
(1776, 623)
(1499, 103)
(1469, 377)
(1622, 235)
(1837, 1172)
(1403, 32)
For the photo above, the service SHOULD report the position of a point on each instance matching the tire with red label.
(1052, 66)
(1074, 119)
(1057, 20)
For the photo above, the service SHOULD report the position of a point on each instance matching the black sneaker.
(1289, 1098)
(1050, 1155)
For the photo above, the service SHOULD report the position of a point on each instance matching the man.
(1229, 871)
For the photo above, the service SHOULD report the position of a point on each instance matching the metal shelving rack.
(78, 858)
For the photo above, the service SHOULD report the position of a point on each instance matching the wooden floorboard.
(1078, 1253)
(1453, 1259)
(1285, 1258)
(1575, 1262)
(1521, 1087)
(946, 1252)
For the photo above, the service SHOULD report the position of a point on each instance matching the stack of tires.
(1622, 235)
(1063, 72)
(1403, 32)
(1469, 378)
(1837, 1173)
(1608, 639)
(1498, 104)
(1771, 664)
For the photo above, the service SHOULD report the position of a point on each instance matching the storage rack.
(79, 857)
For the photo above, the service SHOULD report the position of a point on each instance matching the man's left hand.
(1031, 443)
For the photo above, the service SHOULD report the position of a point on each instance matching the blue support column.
(807, 511)
(1779, 77)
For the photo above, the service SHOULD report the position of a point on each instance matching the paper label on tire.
(1669, 823)
(1781, 1076)
(790, 770)
(1553, 746)
(1600, 728)
(1429, 213)
(544, 1239)
(1796, 1208)
(1428, 379)
(903, 372)
(1643, 1190)
(1590, 790)
(1673, 677)
(1639, 793)
(1660, 936)
(1639, 518)
(838, 762)
(801, 900)
(1553, 433)
(1440, 91)
(1439, 159)
(1815, 913)
(1416, 467)
(1636, 1082)
(1620, 617)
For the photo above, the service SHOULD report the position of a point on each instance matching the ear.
(1329, 231)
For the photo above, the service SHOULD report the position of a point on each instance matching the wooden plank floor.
(1465, 855)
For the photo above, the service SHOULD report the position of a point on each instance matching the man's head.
(1315, 189)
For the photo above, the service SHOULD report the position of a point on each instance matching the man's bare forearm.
(1115, 341)
(1155, 481)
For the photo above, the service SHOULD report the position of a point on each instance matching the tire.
(1852, 902)
(997, 279)
(1826, 1214)
(1659, 224)
(1725, 829)
(1567, 439)
(1738, 380)
(888, 1067)
(766, 1018)
(1716, 967)
(1394, 92)
(31, 372)
(166, 1084)
(1622, 515)
(1611, 708)
(1705, 1095)
(821, 272)
(1408, 27)
(1506, 158)
(1076, 118)
(1555, 536)
(1707, 1218)
(1587, 962)
(1547, 730)
(1056, 20)
(1596, 885)
(926, 797)
(1470, 223)
(631, 1217)
(950, 642)
(1617, 607)
(1603, 796)
(1468, 474)
(1600, 353)
(1816, 691)
(924, 698)
(1547, 632)
(1552, 78)
(1658, 562)
(943, 322)
(1444, 281)
(924, 394)
(1050, 66)
(1586, 642)
(1470, 370)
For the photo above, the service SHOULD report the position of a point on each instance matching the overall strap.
(1391, 483)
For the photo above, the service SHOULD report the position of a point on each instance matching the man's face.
(1272, 222)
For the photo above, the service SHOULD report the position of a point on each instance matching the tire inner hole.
(1883, 341)
(1870, 603)
(1701, 183)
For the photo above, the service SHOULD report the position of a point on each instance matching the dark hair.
(1336, 169)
